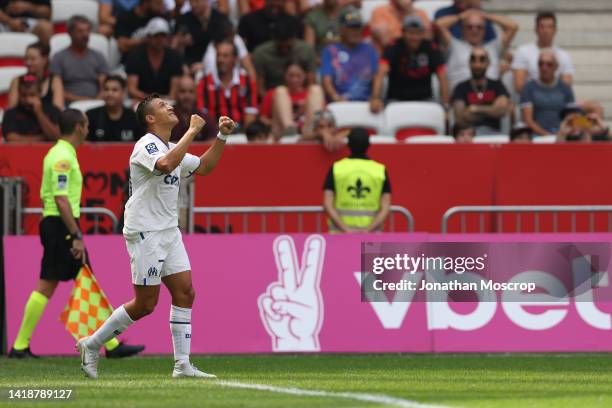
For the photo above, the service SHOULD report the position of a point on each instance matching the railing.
(11, 188)
(299, 211)
(536, 210)
(96, 211)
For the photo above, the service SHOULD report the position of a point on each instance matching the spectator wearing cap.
(289, 108)
(81, 69)
(457, 8)
(154, 67)
(258, 27)
(324, 130)
(30, 16)
(525, 62)
(357, 190)
(474, 24)
(481, 102)
(543, 99)
(322, 25)
(410, 63)
(36, 62)
(32, 120)
(113, 122)
(521, 133)
(271, 58)
(196, 29)
(228, 91)
(348, 67)
(386, 21)
(579, 126)
(463, 133)
(130, 26)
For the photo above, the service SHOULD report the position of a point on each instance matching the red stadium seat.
(13, 47)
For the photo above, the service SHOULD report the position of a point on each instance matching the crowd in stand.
(276, 67)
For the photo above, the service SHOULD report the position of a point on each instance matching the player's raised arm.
(209, 160)
(170, 161)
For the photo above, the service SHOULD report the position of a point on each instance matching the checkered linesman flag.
(88, 306)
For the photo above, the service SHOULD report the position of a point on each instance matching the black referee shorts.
(57, 262)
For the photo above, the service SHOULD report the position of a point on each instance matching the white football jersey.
(153, 202)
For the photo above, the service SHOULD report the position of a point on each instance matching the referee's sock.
(34, 308)
(111, 344)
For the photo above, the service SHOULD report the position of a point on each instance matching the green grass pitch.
(404, 380)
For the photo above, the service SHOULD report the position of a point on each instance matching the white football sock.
(180, 326)
(118, 321)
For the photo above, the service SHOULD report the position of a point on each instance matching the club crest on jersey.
(151, 148)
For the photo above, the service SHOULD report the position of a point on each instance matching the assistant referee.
(62, 240)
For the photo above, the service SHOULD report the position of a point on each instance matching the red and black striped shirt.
(234, 102)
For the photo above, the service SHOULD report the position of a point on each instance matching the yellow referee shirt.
(61, 176)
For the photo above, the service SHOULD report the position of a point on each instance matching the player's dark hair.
(117, 78)
(69, 119)
(144, 109)
(42, 48)
(545, 15)
(76, 19)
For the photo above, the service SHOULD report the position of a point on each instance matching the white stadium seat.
(13, 47)
(431, 6)
(437, 139)
(237, 139)
(368, 6)
(97, 42)
(293, 139)
(382, 139)
(356, 114)
(6, 76)
(406, 115)
(492, 139)
(545, 139)
(62, 10)
(86, 105)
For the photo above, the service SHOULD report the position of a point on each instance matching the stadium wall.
(234, 274)
(426, 179)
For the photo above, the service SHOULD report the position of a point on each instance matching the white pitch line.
(375, 398)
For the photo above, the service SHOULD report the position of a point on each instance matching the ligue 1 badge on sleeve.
(152, 148)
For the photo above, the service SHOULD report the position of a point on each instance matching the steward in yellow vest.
(357, 191)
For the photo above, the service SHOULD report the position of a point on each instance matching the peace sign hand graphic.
(292, 308)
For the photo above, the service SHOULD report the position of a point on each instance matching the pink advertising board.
(265, 293)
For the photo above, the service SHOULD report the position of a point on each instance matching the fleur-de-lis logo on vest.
(358, 190)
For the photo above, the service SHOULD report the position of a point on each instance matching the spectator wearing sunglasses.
(473, 22)
(481, 102)
(543, 99)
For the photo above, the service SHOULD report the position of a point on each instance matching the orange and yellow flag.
(88, 306)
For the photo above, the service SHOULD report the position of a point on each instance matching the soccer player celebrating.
(153, 240)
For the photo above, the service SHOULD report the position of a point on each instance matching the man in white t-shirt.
(153, 240)
(525, 62)
(473, 22)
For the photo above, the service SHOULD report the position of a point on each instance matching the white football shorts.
(156, 254)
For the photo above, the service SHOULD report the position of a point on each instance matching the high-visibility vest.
(358, 185)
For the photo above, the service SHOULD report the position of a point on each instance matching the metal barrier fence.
(298, 211)
(536, 210)
(95, 211)
(11, 189)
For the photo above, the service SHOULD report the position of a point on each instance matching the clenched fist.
(226, 125)
(197, 123)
